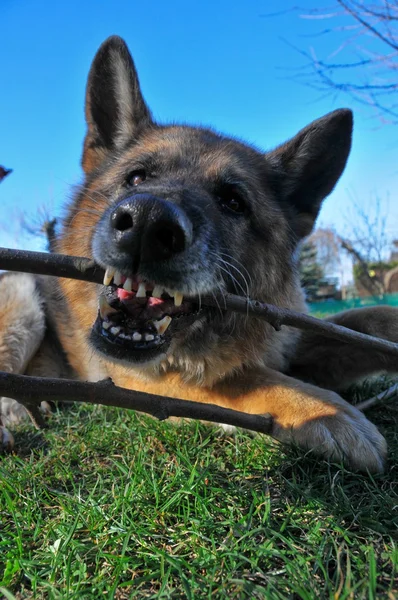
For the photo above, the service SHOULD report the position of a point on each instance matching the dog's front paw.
(6, 440)
(13, 413)
(346, 435)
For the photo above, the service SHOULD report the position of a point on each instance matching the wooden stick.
(73, 267)
(379, 398)
(30, 391)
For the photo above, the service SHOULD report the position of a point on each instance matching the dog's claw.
(6, 440)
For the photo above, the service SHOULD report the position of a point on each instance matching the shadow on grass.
(29, 440)
(239, 465)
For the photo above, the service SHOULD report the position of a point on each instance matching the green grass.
(110, 504)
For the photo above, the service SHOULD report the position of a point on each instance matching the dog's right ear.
(115, 108)
(308, 166)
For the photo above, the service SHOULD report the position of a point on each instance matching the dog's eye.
(231, 200)
(136, 177)
(234, 204)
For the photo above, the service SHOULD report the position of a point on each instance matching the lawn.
(110, 504)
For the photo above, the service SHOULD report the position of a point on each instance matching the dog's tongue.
(125, 296)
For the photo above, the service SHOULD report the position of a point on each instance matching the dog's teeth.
(109, 273)
(137, 337)
(157, 291)
(117, 278)
(115, 330)
(124, 336)
(128, 284)
(106, 324)
(149, 337)
(104, 308)
(141, 292)
(178, 297)
(162, 324)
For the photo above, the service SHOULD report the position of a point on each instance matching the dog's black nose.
(153, 228)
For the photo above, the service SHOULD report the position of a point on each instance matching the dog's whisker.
(247, 293)
(223, 266)
(239, 263)
(235, 282)
(101, 195)
(218, 305)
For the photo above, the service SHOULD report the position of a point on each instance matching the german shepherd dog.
(175, 212)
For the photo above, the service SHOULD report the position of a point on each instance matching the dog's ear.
(115, 108)
(307, 167)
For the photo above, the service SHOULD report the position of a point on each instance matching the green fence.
(323, 309)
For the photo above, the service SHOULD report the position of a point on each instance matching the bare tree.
(42, 224)
(365, 64)
(368, 243)
(328, 246)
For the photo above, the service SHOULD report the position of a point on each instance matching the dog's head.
(176, 212)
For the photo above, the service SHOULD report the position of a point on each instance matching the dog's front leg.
(335, 365)
(22, 329)
(313, 418)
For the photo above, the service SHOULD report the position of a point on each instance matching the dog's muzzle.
(140, 240)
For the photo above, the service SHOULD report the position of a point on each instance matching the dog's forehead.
(190, 147)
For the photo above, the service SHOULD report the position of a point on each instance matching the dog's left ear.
(115, 108)
(308, 167)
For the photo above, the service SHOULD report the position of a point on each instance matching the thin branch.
(368, 30)
(75, 267)
(383, 397)
(30, 391)
(282, 316)
(58, 265)
(367, 25)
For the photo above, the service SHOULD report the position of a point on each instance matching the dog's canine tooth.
(109, 273)
(106, 324)
(104, 308)
(137, 337)
(128, 284)
(157, 291)
(178, 298)
(117, 278)
(141, 292)
(162, 324)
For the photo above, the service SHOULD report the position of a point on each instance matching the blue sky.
(219, 63)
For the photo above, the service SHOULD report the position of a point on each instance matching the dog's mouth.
(137, 319)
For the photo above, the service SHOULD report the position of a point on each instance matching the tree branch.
(84, 269)
(383, 397)
(356, 15)
(369, 284)
(375, 23)
(30, 391)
